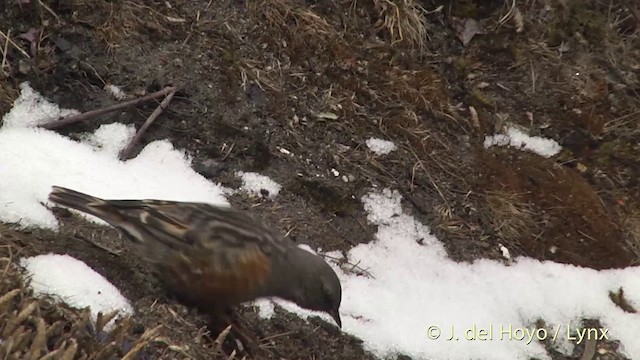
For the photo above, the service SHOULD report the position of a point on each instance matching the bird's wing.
(199, 225)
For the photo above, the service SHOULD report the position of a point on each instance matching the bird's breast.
(217, 278)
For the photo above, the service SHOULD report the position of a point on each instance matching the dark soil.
(318, 79)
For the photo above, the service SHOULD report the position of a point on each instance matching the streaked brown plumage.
(215, 257)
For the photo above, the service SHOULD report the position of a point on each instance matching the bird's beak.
(336, 317)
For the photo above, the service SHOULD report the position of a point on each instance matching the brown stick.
(124, 154)
(101, 247)
(53, 124)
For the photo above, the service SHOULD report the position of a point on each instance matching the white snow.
(517, 138)
(256, 183)
(34, 159)
(504, 251)
(111, 138)
(416, 290)
(266, 308)
(380, 146)
(418, 286)
(67, 279)
(30, 108)
(403, 284)
(115, 91)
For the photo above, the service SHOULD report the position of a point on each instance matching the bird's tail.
(121, 214)
(77, 200)
(99, 208)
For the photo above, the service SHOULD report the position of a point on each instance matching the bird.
(215, 256)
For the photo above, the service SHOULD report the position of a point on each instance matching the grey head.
(307, 280)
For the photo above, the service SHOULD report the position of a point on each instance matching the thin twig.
(60, 122)
(353, 266)
(9, 262)
(15, 45)
(101, 247)
(509, 14)
(430, 177)
(225, 156)
(49, 10)
(4, 51)
(124, 154)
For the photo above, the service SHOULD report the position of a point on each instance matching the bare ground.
(318, 79)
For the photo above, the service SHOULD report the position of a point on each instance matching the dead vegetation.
(572, 225)
(298, 23)
(401, 21)
(40, 328)
(512, 216)
(350, 63)
(124, 22)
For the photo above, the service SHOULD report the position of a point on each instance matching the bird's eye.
(327, 293)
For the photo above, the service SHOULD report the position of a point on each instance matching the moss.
(565, 155)
(230, 56)
(579, 18)
(460, 65)
(519, 52)
(464, 8)
(618, 149)
(588, 22)
(480, 99)
(555, 36)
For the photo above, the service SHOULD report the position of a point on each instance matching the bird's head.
(319, 287)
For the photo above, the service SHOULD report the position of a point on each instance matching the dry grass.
(585, 50)
(291, 17)
(582, 52)
(36, 328)
(40, 328)
(301, 31)
(115, 22)
(417, 90)
(512, 217)
(402, 21)
(352, 70)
